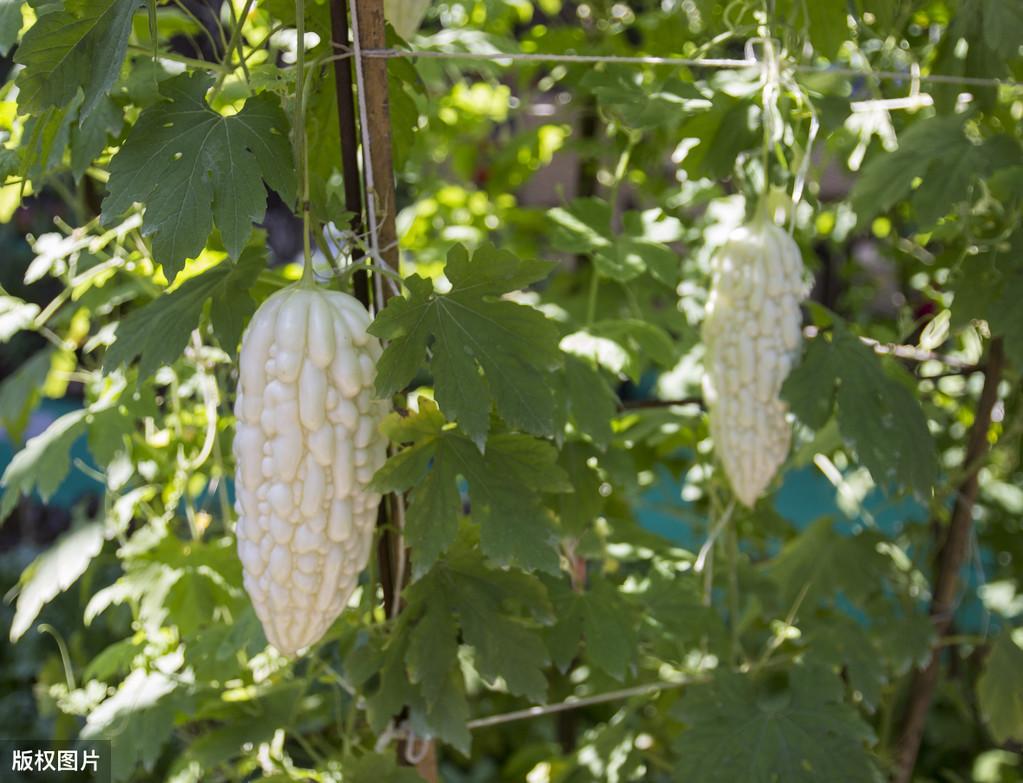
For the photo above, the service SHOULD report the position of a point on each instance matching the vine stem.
(591, 298)
(951, 556)
(237, 39)
(732, 549)
(65, 656)
(705, 559)
(619, 174)
(300, 140)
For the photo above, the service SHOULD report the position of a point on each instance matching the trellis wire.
(697, 62)
(578, 703)
(393, 732)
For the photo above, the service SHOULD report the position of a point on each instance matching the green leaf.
(80, 47)
(253, 722)
(506, 647)
(623, 92)
(20, 392)
(935, 150)
(578, 509)
(54, 571)
(459, 601)
(1003, 27)
(89, 138)
(676, 616)
(433, 648)
(824, 562)
(713, 139)
(10, 163)
(138, 719)
(810, 388)
(403, 83)
(789, 726)
(989, 286)
(10, 24)
(46, 138)
(434, 508)
(602, 618)
(44, 462)
(945, 183)
(159, 332)
(112, 661)
(1000, 690)
(905, 640)
(447, 716)
(469, 329)
(432, 664)
(381, 671)
(642, 341)
(194, 168)
(828, 25)
(1006, 316)
(15, 315)
(379, 768)
(505, 486)
(949, 179)
(584, 226)
(842, 643)
(109, 431)
(878, 414)
(191, 601)
(883, 419)
(145, 585)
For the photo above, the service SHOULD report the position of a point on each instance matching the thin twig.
(909, 352)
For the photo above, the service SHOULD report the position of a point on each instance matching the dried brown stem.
(953, 552)
(629, 405)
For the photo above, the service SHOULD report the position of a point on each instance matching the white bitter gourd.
(752, 334)
(306, 446)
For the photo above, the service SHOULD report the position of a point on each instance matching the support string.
(502, 58)
(711, 62)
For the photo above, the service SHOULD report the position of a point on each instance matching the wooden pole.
(348, 138)
(370, 15)
(391, 554)
(372, 36)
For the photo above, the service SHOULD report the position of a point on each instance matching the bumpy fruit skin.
(306, 446)
(752, 333)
